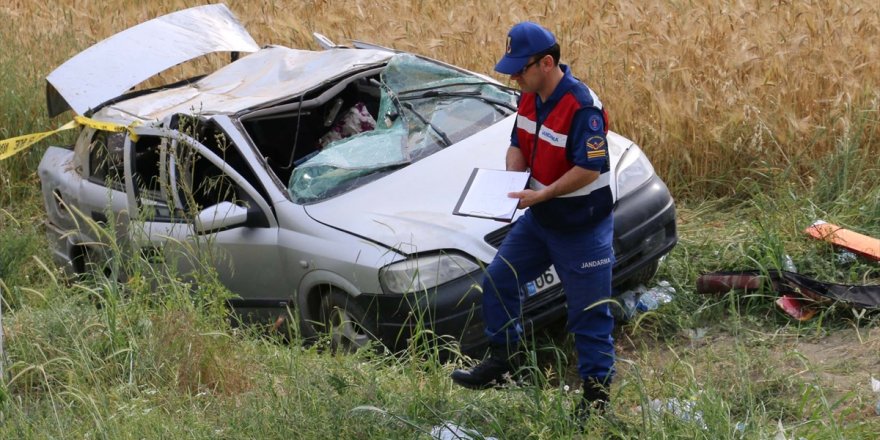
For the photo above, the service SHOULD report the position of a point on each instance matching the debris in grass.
(628, 302)
(695, 334)
(795, 308)
(875, 386)
(656, 296)
(683, 409)
(800, 296)
(804, 289)
(642, 299)
(860, 244)
(452, 431)
(788, 264)
(845, 258)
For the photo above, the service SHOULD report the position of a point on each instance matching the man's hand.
(573, 179)
(529, 197)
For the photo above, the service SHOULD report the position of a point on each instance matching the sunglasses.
(526, 67)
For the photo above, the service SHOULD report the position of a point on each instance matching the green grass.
(153, 358)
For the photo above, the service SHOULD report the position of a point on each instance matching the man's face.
(532, 75)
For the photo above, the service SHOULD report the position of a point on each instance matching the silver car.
(317, 181)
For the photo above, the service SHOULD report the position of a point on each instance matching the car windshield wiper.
(395, 99)
(459, 84)
(463, 94)
(437, 130)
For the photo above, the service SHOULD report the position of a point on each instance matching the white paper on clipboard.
(485, 194)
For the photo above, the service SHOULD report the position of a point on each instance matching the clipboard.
(485, 194)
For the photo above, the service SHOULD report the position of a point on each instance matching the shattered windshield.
(423, 107)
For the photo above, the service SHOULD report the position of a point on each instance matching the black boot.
(594, 401)
(491, 372)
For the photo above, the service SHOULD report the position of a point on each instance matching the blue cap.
(524, 40)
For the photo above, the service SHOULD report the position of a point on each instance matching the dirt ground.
(780, 364)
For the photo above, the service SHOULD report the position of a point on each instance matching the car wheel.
(344, 322)
(643, 275)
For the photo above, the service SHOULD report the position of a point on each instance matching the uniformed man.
(559, 136)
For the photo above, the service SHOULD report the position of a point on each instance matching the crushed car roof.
(113, 66)
(269, 75)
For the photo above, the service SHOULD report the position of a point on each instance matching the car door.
(192, 207)
(86, 203)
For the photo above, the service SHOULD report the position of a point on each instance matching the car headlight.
(421, 273)
(635, 170)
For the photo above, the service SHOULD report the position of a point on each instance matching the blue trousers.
(583, 259)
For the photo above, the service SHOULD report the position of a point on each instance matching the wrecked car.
(321, 182)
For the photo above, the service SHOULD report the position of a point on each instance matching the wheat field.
(714, 91)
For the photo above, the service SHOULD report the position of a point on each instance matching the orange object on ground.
(863, 245)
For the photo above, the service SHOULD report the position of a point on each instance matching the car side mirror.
(221, 216)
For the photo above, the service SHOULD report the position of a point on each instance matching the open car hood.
(118, 63)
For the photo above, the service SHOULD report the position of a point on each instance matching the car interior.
(179, 184)
(291, 132)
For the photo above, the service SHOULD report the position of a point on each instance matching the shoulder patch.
(595, 147)
(596, 143)
(595, 122)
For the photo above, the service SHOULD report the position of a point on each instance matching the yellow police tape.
(13, 146)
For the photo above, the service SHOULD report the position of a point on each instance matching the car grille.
(495, 237)
(534, 304)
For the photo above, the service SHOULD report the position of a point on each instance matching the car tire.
(643, 275)
(346, 325)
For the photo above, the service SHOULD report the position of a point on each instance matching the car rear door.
(179, 192)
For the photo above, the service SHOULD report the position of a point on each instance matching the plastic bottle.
(788, 264)
(647, 302)
(629, 302)
(656, 296)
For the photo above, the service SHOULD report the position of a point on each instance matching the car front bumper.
(644, 224)
(452, 311)
(644, 229)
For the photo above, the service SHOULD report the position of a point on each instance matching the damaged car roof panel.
(118, 63)
(273, 73)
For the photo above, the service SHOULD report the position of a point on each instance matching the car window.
(106, 159)
(209, 134)
(199, 183)
(150, 179)
(423, 107)
(173, 182)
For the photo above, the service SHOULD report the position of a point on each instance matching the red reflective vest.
(549, 161)
(545, 147)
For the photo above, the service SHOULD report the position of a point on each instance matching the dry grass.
(195, 361)
(715, 91)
